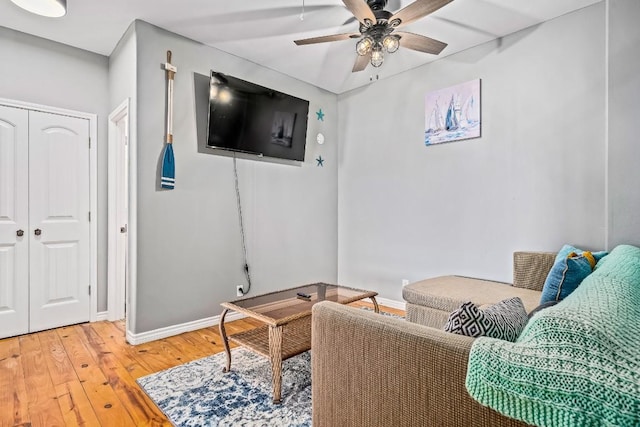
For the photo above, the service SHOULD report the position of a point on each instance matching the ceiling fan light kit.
(48, 8)
(378, 30)
(376, 48)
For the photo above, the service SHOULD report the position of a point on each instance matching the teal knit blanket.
(576, 363)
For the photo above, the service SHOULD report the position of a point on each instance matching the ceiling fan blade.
(360, 10)
(361, 62)
(349, 21)
(325, 39)
(420, 43)
(417, 10)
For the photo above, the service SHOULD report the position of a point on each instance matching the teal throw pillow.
(570, 268)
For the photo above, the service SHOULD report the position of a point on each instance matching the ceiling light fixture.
(48, 8)
(376, 42)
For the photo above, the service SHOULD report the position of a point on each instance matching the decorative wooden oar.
(168, 179)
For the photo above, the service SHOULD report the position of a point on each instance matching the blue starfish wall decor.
(320, 161)
(320, 115)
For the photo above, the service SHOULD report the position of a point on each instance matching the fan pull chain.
(302, 14)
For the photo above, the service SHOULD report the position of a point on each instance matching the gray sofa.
(373, 370)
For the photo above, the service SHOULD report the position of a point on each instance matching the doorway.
(118, 202)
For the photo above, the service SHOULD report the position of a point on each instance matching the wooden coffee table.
(287, 318)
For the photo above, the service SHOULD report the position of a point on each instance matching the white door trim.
(132, 236)
(115, 288)
(93, 186)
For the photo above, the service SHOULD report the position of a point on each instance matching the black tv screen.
(250, 118)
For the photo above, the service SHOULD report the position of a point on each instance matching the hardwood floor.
(84, 375)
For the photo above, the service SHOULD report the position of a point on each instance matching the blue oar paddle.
(168, 179)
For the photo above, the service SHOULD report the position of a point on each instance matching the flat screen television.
(250, 118)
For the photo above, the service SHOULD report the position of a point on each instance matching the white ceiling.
(263, 31)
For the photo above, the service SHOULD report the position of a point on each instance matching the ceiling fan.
(378, 32)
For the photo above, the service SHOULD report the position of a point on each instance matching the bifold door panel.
(14, 221)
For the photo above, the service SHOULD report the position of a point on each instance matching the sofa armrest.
(374, 370)
(530, 269)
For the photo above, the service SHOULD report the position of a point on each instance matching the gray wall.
(122, 86)
(43, 72)
(189, 254)
(551, 166)
(624, 113)
(122, 72)
(534, 180)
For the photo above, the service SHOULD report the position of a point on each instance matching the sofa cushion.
(504, 320)
(447, 293)
(571, 267)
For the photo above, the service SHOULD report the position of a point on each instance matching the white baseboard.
(400, 305)
(102, 316)
(158, 334)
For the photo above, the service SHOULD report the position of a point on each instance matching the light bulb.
(225, 95)
(377, 57)
(213, 91)
(220, 94)
(49, 8)
(363, 47)
(391, 43)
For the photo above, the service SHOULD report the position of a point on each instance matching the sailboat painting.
(453, 113)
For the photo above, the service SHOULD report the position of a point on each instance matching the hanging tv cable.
(242, 236)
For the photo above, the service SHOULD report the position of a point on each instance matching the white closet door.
(58, 220)
(14, 217)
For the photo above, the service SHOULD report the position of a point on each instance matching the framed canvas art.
(453, 113)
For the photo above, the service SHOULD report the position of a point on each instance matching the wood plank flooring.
(85, 375)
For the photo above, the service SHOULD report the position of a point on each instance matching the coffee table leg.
(375, 304)
(225, 341)
(275, 350)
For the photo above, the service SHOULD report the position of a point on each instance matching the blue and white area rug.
(198, 393)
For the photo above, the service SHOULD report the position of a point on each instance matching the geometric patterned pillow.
(504, 320)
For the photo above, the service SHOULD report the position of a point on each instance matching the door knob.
(123, 229)
(37, 232)
(20, 233)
